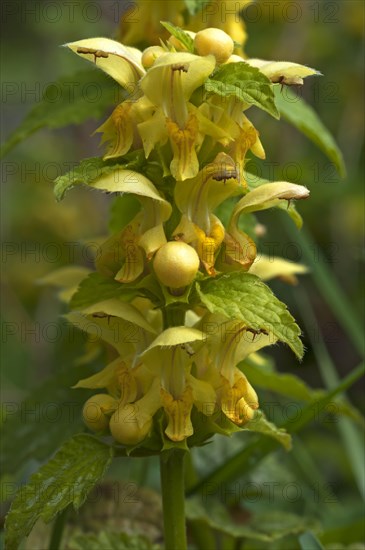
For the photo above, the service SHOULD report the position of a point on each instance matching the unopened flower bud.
(215, 42)
(128, 427)
(176, 264)
(97, 411)
(150, 55)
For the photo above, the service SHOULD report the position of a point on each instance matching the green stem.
(173, 498)
(57, 530)
(173, 316)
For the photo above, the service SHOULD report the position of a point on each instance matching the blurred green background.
(39, 235)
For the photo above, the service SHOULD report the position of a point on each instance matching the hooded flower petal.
(173, 78)
(267, 196)
(120, 62)
(283, 72)
(235, 342)
(198, 197)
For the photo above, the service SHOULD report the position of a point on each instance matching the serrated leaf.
(244, 297)
(49, 415)
(72, 107)
(260, 424)
(301, 115)
(265, 527)
(96, 288)
(111, 541)
(66, 479)
(88, 171)
(245, 83)
(180, 34)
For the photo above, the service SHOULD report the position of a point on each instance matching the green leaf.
(66, 479)
(72, 105)
(308, 541)
(36, 427)
(123, 210)
(260, 424)
(88, 171)
(180, 34)
(111, 541)
(246, 83)
(96, 288)
(301, 115)
(345, 532)
(265, 527)
(246, 298)
(292, 386)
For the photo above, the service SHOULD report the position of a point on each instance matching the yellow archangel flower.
(164, 112)
(229, 343)
(169, 84)
(145, 233)
(169, 357)
(197, 198)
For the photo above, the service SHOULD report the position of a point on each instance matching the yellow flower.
(120, 62)
(239, 249)
(169, 357)
(169, 84)
(144, 234)
(197, 198)
(120, 129)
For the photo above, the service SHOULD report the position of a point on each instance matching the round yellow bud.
(216, 42)
(150, 55)
(124, 426)
(96, 410)
(176, 264)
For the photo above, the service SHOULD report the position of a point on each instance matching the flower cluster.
(198, 134)
(180, 368)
